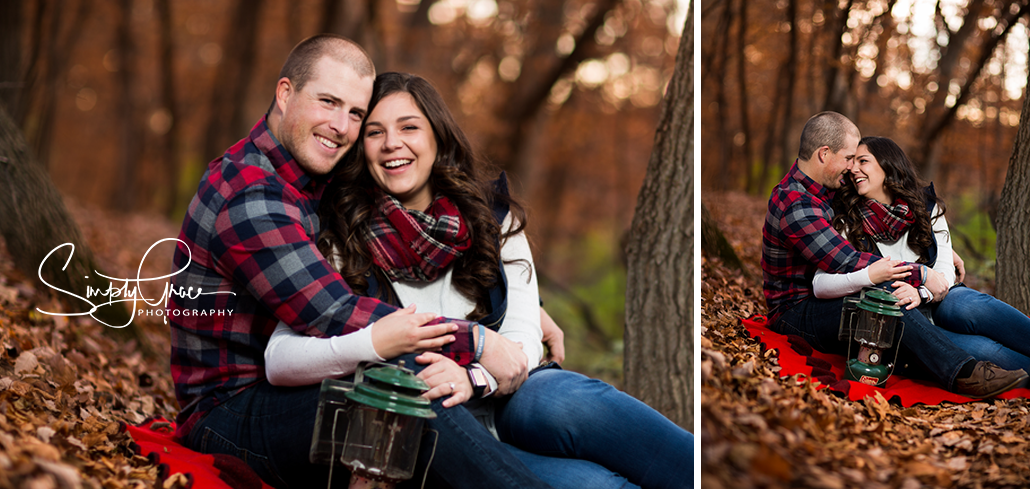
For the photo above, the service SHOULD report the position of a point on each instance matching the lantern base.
(872, 374)
(358, 482)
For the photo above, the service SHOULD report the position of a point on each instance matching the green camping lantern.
(871, 321)
(373, 426)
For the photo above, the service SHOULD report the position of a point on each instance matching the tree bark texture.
(1013, 281)
(714, 243)
(660, 256)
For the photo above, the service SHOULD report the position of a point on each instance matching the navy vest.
(499, 293)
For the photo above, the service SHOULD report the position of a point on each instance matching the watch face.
(478, 377)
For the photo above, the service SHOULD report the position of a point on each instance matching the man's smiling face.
(839, 163)
(321, 120)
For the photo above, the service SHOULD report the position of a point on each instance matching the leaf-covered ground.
(761, 430)
(66, 388)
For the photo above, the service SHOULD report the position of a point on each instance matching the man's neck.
(273, 119)
(808, 168)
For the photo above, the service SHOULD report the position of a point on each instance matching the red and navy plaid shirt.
(249, 239)
(797, 238)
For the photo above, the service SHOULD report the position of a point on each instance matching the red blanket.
(155, 440)
(797, 357)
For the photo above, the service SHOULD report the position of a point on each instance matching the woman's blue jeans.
(562, 415)
(987, 328)
(818, 322)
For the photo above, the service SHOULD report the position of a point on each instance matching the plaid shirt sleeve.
(264, 242)
(806, 228)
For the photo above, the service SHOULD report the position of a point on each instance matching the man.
(797, 238)
(249, 260)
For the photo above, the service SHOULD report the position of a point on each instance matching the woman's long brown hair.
(458, 173)
(900, 181)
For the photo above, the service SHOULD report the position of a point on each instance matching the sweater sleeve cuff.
(463, 348)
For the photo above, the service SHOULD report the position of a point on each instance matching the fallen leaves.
(66, 388)
(761, 430)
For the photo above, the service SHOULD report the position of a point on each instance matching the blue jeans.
(818, 322)
(270, 428)
(984, 348)
(558, 413)
(970, 312)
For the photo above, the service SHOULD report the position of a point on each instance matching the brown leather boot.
(988, 380)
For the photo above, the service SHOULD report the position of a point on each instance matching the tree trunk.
(130, 146)
(713, 242)
(1013, 281)
(171, 141)
(660, 255)
(234, 74)
(10, 50)
(36, 222)
(837, 25)
(540, 71)
(934, 126)
(745, 124)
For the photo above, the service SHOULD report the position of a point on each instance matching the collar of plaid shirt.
(285, 165)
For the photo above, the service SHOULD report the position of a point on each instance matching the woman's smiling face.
(400, 149)
(869, 176)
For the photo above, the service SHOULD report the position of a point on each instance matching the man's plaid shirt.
(797, 237)
(249, 239)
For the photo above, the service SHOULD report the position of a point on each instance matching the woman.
(882, 209)
(413, 220)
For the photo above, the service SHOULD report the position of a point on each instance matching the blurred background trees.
(125, 101)
(944, 78)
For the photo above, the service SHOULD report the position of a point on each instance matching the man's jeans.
(563, 414)
(987, 328)
(270, 428)
(818, 322)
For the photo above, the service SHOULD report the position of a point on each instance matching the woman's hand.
(554, 338)
(403, 332)
(445, 378)
(907, 295)
(886, 269)
(960, 266)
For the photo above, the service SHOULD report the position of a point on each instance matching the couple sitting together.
(851, 213)
(410, 217)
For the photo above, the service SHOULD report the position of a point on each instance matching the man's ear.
(821, 153)
(283, 91)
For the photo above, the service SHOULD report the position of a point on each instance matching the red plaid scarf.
(413, 245)
(886, 223)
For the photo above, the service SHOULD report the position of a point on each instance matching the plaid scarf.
(413, 245)
(886, 223)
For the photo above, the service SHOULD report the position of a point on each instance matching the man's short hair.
(825, 129)
(300, 64)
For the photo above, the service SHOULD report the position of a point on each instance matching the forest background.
(945, 79)
(126, 101)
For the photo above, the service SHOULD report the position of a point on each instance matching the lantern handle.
(332, 452)
(436, 438)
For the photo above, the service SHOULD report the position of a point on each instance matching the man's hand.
(937, 284)
(960, 266)
(504, 360)
(445, 378)
(403, 332)
(554, 338)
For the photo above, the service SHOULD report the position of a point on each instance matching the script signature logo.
(124, 293)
